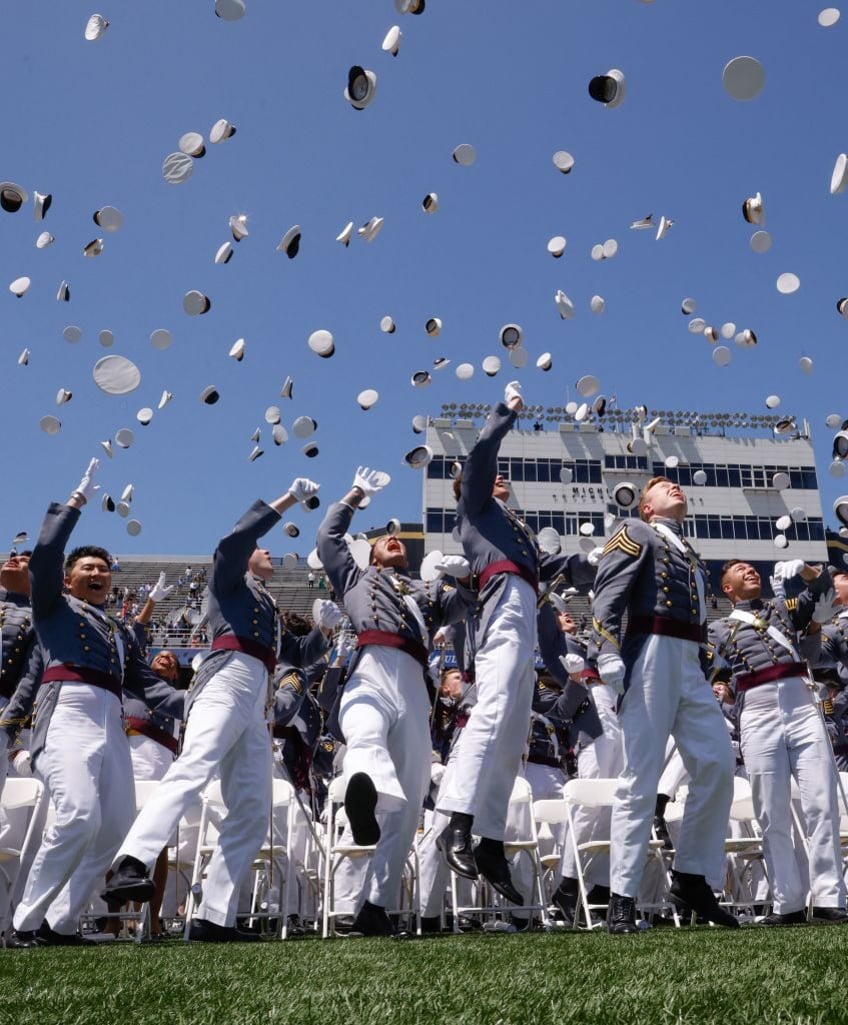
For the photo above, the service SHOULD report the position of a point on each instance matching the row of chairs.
(306, 868)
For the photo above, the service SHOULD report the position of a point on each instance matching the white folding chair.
(335, 851)
(23, 797)
(274, 857)
(744, 850)
(521, 809)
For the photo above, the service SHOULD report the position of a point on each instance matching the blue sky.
(92, 122)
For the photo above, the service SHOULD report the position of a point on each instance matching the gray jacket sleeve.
(333, 551)
(801, 608)
(303, 651)
(481, 466)
(16, 714)
(143, 683)
(624, 556)
(46, 564)
(552, 644)
(233, 552)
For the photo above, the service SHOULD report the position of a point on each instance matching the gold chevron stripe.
(623, 542)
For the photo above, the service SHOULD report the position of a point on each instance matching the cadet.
(384, 710)
(226, 729)
(649, 571)
(507, 566)
(78, 744)
(781, 731)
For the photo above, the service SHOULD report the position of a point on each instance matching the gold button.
(255, 633)
(256, 609)
(255, 621)
(665, 590)
(85, 647)
(669, 604)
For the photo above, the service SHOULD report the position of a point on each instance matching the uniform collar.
(750, 605)
(674, 525)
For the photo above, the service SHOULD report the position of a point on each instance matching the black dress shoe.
(495, 869)
(790, 918)
(203, 931)
(343, 924)
(48, 937)
(455, 844)
(129, 881)
(565, 899)
(23, 939)
(621, 915)
(373, 920)
(831, 916)
(691, 893)
(360, 803)
(431, 925)
(661, 829)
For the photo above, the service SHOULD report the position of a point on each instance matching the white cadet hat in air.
(840, 509)
(20, 286)
(344, 235)
(544, 362)
(290, 242)
(161, 339)
(116, 375)
(491, 365)
(410, 6)
(464, 154)
(511, 336)
(564, 305)
(44, 240)
(196, 303)
(224, 253)
(839, 178)
(210, 395)
(387, 325)
(391, 41)
(144, 416)
(221, 130)
(556, 246)
(12, 197)
(322, 344)
(419, 424)
(563, 161)
(287, 389)
(230, 10)
(192, 144)
(743, 78)
(23, 359)
(608, 89)
(753, 210)
(237, 350)
(418, 457)
(420, 379)
(165, 399)
(361, 87)
(177, 168)
(304, 427)
(42, 202)
(367, 398)
(109, 218)
(371, 229)
(643, 224)
(433, 326)
(238, 226)
(50, 425)
(430, 203)
(95, 27)
(124, 437)
(94, 248)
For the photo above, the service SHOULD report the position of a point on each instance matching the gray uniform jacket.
(376, 598)
(491, 533)
(571, 706)
(240, 606)
(742, 648)
(20, 661)
(76, 636)
(834, 648)
(643, 574)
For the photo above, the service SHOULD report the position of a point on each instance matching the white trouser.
(487, 756)
(86, 768)
(384, 716)
(150, 760)
(603, 758)
(225, 733)
(782, 736)
(669, 694)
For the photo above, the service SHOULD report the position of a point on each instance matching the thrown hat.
(230, 10)
(760, 242)
(564, 305)
(42, 201)
(544, 362)
(421, 378)
(290, 242)
(20, 287)
(144, 416)
(828, 17)
(743, 78)
(291, 529)
(840, 509)
(177, 168)
(310, 450)
(44, 240)
(746, 338)
(597, 304)
(787, 283)
(418, 457)
(563, 161)
(124, 437)
(361, 87)
(510, 336)
(587, 386)
(224, 253)
(238, 227)
(664, 227)
(772, 401)
(430, 203)
(191, 143)
(419, 424)
(237, 350)
(304, 427)
(722, 355)
(491, 365)
(94, 248)
(221, 130)
(95, 27)
(109, 218)
(391, 41)
(64, 293)
(839, 178)
(279, 434)
(63, 396)
(287, 389)
(371, 229)
(116, 375)
(161, 338)
(783, 522)
(345, 233)
(23, 359)
(643, 224)
(688, 306)
(387, 325)
(806, 364)
(433, 326)
(367, 398)
(322, 344)
(12, 197)
(50, 425)
(780, 481)
(165, 399)
(465, 371)
(699, 477)
(133, 528)
(196, 303)
(556, 246)
(464, 154)
(210, 395)
(608, 89)
(518, 356)
(753, 211)
(833, 420)
(256, 452)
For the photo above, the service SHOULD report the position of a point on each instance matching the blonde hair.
(643, 497)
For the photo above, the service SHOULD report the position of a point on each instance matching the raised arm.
(333, 551)
(481, 466)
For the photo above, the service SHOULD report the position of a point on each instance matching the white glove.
(777, 588)
(572, 664)
(611, 670)
(160, 589)
(368, 481)
(512, 391)
(329, 615)
(789, 569)
(86, 487)
(302, 489)
(454, 566)
(23, 763)
(558, 602)
(594, 557)
(823, 610)
(440, 637)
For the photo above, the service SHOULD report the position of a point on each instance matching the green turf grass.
(790, 975)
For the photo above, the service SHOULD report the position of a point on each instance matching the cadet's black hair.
(296, 624)
(87, 552)
(729, 566)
